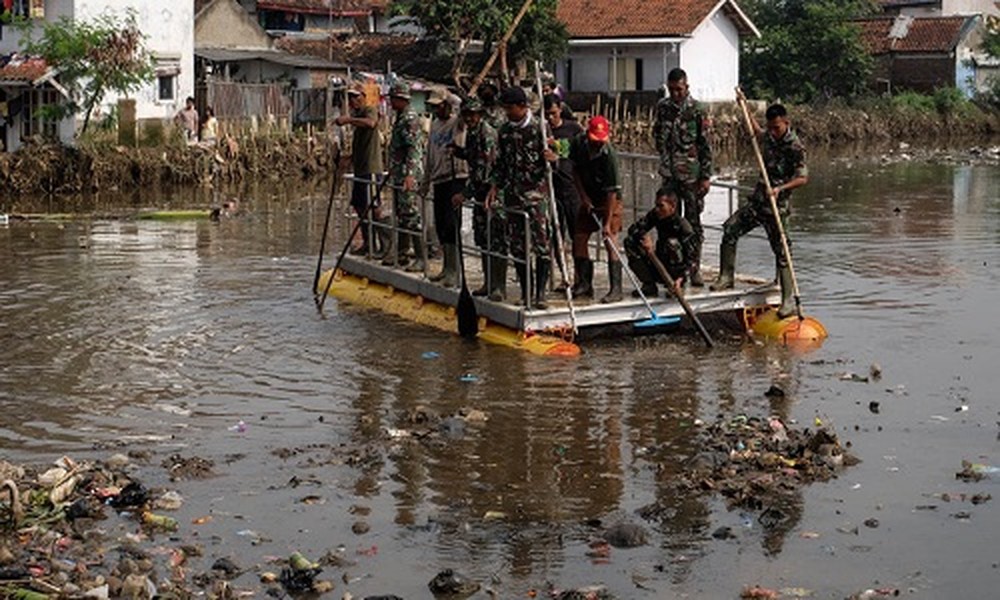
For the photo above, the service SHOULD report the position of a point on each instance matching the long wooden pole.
(496, 51)
(770, 196)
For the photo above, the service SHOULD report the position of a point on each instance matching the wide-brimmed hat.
(356, 90)
(438, 96)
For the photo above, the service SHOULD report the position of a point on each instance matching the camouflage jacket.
(675, 227)
(495, 116)
(681, 136)
(785, 160)
(520, 166)
(480, 152)
(406, 148)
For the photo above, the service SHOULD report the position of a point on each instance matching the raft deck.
(591, 315)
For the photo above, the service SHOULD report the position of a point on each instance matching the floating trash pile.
(757, 464)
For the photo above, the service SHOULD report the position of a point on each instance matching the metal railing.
(640, 181)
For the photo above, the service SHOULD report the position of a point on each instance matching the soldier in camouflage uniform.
(493, 111)
(519, 179)
(785, 161)
(675, 244)
(480, 152)
(681, 136)
(406, 164)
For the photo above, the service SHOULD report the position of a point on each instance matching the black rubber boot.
(584, 287)
(615, 277)
(418, 263)
(541, 281)
(695, 276)
(383, 236)
(399, 244)
(484, 290)
(787, 307)
(498, 283)
(727, 268)
(448, 277)
(522, 276)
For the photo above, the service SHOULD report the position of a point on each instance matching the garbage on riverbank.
(57, 169)
(79, 529)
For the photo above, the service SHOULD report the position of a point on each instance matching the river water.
(164, 335)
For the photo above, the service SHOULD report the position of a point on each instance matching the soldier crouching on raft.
(785, 161)
(675, 244)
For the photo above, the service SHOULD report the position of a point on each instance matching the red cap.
(598, 130)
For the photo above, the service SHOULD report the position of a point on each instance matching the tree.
(105, 54)
(808, 49)
(540, 36)
(991, 46)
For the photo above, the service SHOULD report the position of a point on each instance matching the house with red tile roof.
(27, 83)
(926, 53)
(631, 45)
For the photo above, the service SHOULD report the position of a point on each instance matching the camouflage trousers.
(670, 253)
(406, 206)
(751, 215)
(692, 204)
(489, 230)
(536, 207)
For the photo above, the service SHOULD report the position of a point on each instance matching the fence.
(260, 102)
(309, 106)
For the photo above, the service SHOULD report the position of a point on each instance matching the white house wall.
(590, 65)
(54, 9)
(712, 60)
(169, 27)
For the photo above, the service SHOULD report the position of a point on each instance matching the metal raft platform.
(412, 296)
(591, 315)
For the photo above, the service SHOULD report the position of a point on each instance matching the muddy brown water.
(162, 336)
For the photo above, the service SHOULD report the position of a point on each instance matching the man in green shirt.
(595, 171)
(366, 159)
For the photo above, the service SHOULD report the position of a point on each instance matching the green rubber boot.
(787, 307)
(727, 269)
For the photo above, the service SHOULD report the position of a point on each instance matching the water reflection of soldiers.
(681, 137)
(519, 183)
(406, 161)
(480, 152)
(675, 244)
(785, 161)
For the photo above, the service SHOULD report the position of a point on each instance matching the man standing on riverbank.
(445, 176)
(187, 120)
(595, 170)
(519, 181)
(366, 159)
(406, 165)
(785, 161)
(681, 137)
